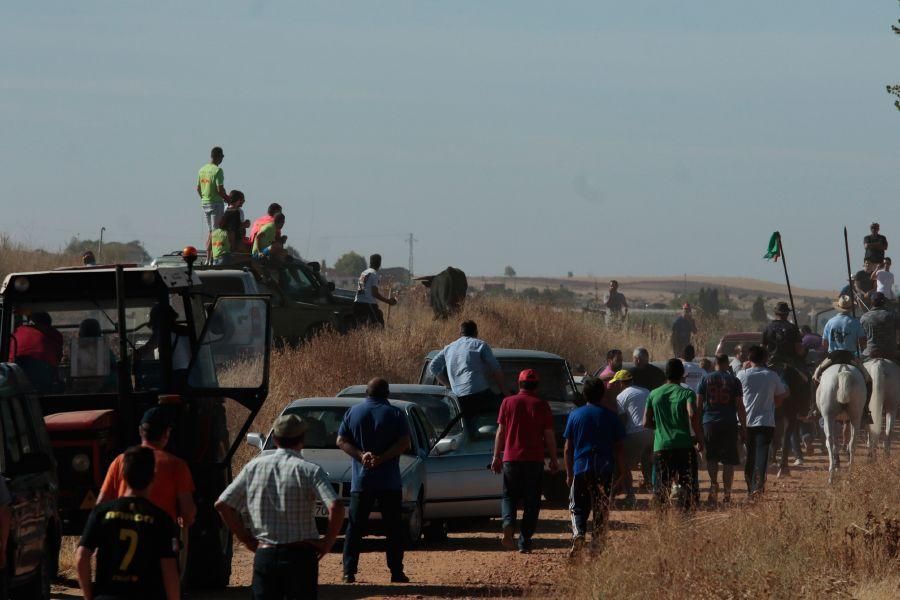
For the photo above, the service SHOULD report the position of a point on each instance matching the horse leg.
(854, 420)
(889, 418)
(828, 425)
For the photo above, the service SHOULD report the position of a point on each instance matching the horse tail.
(844, 385)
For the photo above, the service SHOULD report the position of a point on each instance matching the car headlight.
(81, 463)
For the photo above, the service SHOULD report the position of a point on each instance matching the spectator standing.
(270, 507)
(613, 365)
(365, 305)
(884, 280)
(763, 390)
(721, 401)
(682, 329)
(643, 373)
(616, 305)
(876, 244)
(524, 430)
(267, 218)
(693, 373)
(172, 488)
(862, 280)
(632, 402)
(136, 542)
(211, 188)
(740, 357)
(593, 456)
(672, 413)
(468, 366)
(374, 434)
(88, 259)
(38, 347)
(880, 326)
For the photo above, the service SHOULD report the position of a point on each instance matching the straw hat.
(844, 303)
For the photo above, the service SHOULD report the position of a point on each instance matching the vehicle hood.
(338, 465)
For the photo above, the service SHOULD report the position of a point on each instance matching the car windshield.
(322, 424)
(554, 378)
(438, 408)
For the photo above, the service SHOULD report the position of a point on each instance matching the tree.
(758, 312)
(708, 300)
(894, 89)
(132, 252)
(509, 271)
(571, 274)
(350, 263)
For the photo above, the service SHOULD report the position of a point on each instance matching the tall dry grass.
(840, 542)
(17, 257)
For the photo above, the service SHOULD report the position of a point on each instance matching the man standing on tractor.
(211, 188)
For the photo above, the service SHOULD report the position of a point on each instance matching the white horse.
(842, 388)
(885, 400)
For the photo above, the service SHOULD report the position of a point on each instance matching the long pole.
(849, 271)
(787, 278)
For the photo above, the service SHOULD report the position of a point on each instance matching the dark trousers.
(390, 504)
(675, 467)
(790, 437)
(522, 485)
(285, 573)
(368, 314)
(479, 403)
(758, 441)
(590, 494)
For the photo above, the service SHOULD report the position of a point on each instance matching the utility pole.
(100, 245)
(411, 240)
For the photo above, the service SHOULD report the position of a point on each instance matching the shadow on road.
(358, 591)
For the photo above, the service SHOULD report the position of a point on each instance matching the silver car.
(324, 417)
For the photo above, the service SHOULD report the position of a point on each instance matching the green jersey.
(673, 425)
(221, 246)
(264, 237)
(210, 179)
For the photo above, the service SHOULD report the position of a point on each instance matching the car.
(557, 386)
(324, 417)
(460, 485)
(27, 464)
(745, 339)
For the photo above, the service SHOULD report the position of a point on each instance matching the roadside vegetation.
(15, 256)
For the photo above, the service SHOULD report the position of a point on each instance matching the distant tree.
(132, 252)
(894, 89)
(758, 312)
(350, 263)
(571, 274)
(509, 271)
(708, 300)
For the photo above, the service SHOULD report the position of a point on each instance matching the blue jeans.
(522, 485)
(759, 440)
(390, 503)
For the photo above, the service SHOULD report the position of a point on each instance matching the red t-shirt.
(257, 225)
(525, 418)
(46, 346)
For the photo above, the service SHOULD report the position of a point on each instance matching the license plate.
(321, 510)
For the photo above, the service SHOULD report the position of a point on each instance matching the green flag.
(774, 250)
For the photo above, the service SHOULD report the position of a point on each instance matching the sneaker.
(348, 578)
(797, 463)
(399, 578)
(577, 545)
(507, 540)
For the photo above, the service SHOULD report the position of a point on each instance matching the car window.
(554, 378)
(439, 409)
(420, 440)
(428, 432)
(323, 423)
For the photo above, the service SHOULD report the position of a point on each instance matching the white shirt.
(760, 386)
(367, 280)
(736, 365)
(693, 374)
(884, 283)
(632, 401)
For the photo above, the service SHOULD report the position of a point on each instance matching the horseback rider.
(843, 338)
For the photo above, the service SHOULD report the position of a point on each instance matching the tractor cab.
(101, 345)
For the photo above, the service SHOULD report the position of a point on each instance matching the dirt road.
(471, 563)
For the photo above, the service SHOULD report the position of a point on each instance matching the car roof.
(345, 402)
(214, 273)
(514, 354)
(402, 388)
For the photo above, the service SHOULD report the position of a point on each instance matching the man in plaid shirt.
(279, 491)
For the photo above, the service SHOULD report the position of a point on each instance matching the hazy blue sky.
(610, 138)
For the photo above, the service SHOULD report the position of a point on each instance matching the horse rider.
(843, 338)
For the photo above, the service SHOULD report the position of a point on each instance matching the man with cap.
(172, 488)
(374, 434)
(277, 494)
(524, 432)
(593, 455)
(682, 329)
(631, 401)
(875, 244)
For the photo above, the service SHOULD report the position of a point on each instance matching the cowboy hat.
(844, 303)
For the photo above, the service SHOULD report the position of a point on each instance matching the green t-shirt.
(221, 246)
(673, 425)
(210, 178)
(264, 237)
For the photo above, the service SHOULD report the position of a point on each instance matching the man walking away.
(876, 244)
(632, 402)
(276, 493)
(468, 366)
(365, 305)
(593, 454)
(682, 329)
(721, 401)
(672, 413)
(136, 542)
(172, 488)
(267, 218)
(375, 434)
(616, 305)
(613, 365)
(763, 390)
(211, 188)
(524, 431)
(643, 373)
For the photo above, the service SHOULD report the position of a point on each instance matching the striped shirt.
(277, 494)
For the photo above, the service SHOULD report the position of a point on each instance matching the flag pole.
(787, 278)
(849, 271)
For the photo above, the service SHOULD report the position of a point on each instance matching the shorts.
(721, 443)
(213, 212)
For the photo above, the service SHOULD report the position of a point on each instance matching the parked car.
(460, 484)
(27, 465)
(557, 387)
(324, 417)
(730, 341)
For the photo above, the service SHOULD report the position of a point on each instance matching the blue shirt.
(591, 431)
(468, 362)
(843, 332)
(374, 426)
(721, 392)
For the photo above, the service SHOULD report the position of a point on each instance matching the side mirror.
(487, 430)
(445, 446)
(256, 440)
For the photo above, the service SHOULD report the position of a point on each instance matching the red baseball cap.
(528, 375)
(686, 306)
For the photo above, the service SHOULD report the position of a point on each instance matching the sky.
(603, 138)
